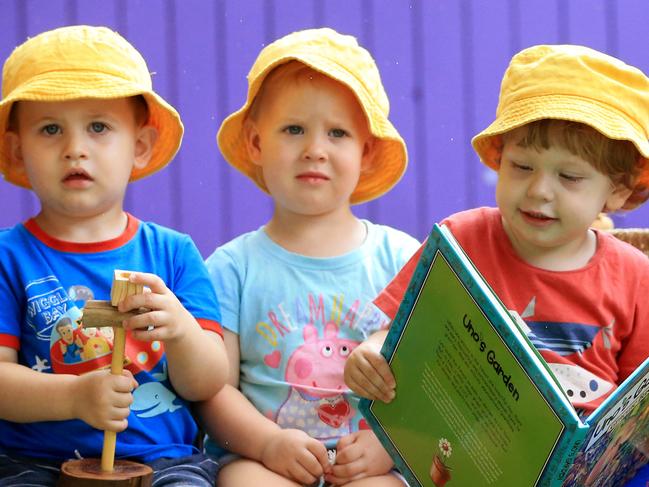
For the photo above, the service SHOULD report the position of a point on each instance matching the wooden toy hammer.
(99, 314)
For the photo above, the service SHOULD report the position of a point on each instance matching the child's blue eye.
(294, 130)
(51, 129)
(98, 127)
(338, 133)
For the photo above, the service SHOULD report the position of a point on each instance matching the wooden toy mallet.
(99, 314)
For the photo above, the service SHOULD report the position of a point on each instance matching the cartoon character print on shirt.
(73, 348)
(580, 385)
(298, 331)
(316, 402)
(565, 340)
(152, 398)
(65, 347)
(55, 320)
(68, 347)
(96, 342)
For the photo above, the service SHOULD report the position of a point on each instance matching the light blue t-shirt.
(298, 318)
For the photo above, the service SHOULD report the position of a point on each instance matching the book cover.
(617, 443)
(476, 404)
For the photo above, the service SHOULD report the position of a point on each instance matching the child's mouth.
(312, 177)
(77, 177)
(537, 218)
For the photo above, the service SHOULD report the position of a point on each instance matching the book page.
(466, 411)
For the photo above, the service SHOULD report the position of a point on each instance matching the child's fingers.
(319, 452)
(299, 473)
(148, 300)
(349, 453)
(120, 409)
(347, 471)
(367, 382)
(152, 281)
(305, 467)
(380, 365)
(124, 382)
(121, 405)
(380, 377)
(127, 373)
(344, 442)
(362, 386)
(146, 321)
(149, 334)
(116, 425)
(151, 326)
(351, 467)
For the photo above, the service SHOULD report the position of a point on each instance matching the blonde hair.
(620, 160)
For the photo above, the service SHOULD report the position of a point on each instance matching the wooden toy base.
(87, 472)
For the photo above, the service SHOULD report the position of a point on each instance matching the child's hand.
(167, 316)
(295, 455)
(368, 374)
(102, 400)
(359, 455)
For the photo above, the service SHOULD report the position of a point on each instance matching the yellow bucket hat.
(575, 83)
(342, 59)
(78, 62)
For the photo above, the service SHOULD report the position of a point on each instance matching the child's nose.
(314, 149)
(541, 187)
(75, 147)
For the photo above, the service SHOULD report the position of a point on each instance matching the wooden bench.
(638, 237)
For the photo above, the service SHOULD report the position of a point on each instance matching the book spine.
(563, 457)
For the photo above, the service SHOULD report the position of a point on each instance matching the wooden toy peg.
(123, 287)
(88, 473)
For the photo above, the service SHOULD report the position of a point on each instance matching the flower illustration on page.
(440, 473)
(445, 447)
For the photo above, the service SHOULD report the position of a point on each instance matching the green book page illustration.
(466, 412)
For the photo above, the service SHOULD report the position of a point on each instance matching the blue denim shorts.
(195, 470)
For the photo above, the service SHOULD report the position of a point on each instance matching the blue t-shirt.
(44, 284)
(298, 318)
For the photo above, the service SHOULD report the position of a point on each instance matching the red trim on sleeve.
(210, 325)
(132, 225)
(390, 298)
(11, 341)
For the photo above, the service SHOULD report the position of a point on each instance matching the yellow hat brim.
(93, 85)
(603, 118)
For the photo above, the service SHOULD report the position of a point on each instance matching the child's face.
(78, 155)
(312, 143)
(66, 333)
(549, 199)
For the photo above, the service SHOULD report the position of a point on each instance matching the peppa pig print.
(316, 401)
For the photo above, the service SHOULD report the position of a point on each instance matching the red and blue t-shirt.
(44, 284)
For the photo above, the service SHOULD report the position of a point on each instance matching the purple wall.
(441, 62)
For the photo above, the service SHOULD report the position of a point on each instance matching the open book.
(476, 403)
